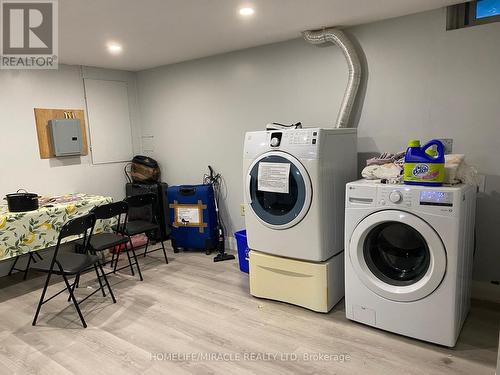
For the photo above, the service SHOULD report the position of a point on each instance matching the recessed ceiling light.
(115, 48)
(246, 11)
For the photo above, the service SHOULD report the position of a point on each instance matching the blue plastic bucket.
(241, 242)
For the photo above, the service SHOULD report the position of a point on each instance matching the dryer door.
(397, 255)
(278, 190)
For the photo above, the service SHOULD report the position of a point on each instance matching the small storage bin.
(241, 242)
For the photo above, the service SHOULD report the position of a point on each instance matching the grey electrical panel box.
(66, 137)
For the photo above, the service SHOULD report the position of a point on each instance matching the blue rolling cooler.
(193, 217)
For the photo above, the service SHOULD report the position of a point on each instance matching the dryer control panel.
(306, 143)
(301, 136)
(302, 143)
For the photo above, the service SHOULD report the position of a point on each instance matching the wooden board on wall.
(42, 117)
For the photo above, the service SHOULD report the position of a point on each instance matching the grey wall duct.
(338, 38)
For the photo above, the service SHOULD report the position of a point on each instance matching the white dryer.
(408, 258)
(294, 182)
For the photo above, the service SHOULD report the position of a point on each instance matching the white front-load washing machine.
(408, 258)
(294, 190)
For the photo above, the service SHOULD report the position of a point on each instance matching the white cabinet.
(109, 120)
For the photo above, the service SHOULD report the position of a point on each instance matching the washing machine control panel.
(395, 197)
(436, 198)
(406, 197)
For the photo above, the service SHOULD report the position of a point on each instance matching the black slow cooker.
(22, 201)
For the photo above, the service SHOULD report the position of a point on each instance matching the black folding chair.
(31, 258)
(103, 241)
(133, 227)
(69, 264)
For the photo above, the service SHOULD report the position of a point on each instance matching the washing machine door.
(397, 255)
(278, 190)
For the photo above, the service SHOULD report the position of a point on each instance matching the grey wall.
(423, 82)
(20, 163)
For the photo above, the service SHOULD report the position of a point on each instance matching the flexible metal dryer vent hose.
(338, 38)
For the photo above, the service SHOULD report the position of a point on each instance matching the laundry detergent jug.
(424, 165)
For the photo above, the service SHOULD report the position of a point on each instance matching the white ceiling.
(160, 32)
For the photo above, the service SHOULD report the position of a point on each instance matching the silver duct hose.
(338, 38)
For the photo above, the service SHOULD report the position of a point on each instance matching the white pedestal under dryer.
(408, 258)
(317, 286)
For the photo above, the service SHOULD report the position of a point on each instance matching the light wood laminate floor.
(194, 307)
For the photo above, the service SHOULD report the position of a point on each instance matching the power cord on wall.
(126, 170)
(278, 126)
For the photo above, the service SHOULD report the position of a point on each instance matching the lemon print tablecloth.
(23, 232)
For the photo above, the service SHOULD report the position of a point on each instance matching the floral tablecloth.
(23, 232)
